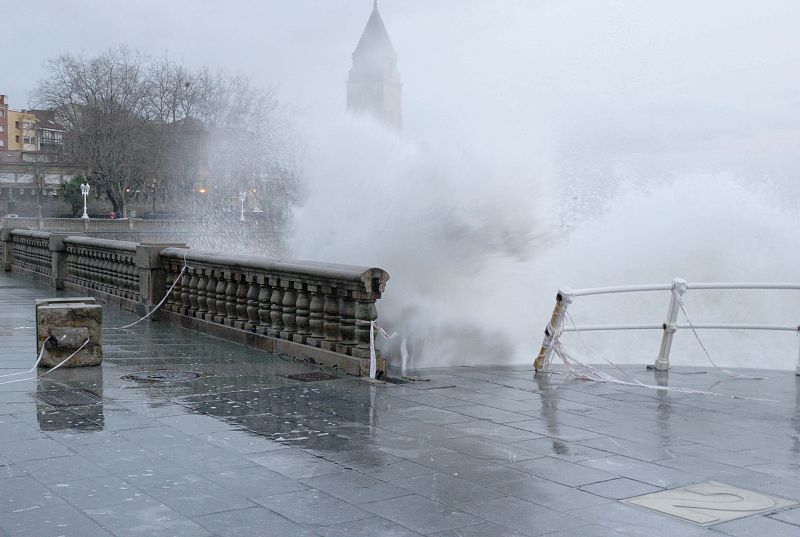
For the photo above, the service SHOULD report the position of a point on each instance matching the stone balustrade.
(32, 251)
(321, 305)
(319, 312)
(105, 265)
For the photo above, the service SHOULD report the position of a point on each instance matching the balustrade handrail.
(44, 235)
(678, 288)
(373, 279)
(94, 242)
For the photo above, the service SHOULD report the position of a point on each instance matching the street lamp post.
(85, 191)
(242, 197)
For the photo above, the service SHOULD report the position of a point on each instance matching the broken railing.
(678, 289)
(319, 312)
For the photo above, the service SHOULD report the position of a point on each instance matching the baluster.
(348, 328)
(193, 293)
(83, 261)
(125, 279)
(365, 314)
(264, 306)
(241, 302)
(332, 320)
(289, 304)
(202, 294)
(92, 275)
(70, 265)
(253, 292)
(230, 299)
(315, 317)
(117, 279)
(92, 272)
(219, 316)
(133, 274)
(186, 304)
(105, 272)
(276, 308)
(211, 295)
(169, 304)
(302, 315)
(108, 272)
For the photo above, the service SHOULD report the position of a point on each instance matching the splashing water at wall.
(477, 243)
(568, 145)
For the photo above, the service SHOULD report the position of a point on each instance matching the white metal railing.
(678, 288)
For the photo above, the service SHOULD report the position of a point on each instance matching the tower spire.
(374, 86)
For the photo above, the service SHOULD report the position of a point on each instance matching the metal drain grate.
(311, 377)
(163, 376)
(397, 380)
(62, 398)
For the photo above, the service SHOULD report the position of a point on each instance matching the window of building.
(2, 128)
(27, 140)
(16, 138)
(2, 113)
(2, 143)
(16, 124)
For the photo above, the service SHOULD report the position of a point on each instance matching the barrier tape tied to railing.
(584, 371)
(373, 355)
(163, 300)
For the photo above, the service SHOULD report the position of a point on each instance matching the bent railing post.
(679, 287)
(553, 329)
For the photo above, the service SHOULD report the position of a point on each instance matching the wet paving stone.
(245, 450)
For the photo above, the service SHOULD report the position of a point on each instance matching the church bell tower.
(374, 86)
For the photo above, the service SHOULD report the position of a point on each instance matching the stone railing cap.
(101, 243)
(31, 233)
(300, 268)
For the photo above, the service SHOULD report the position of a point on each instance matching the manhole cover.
(164, 376)
(311, 377)
(62, 398)
(710, 503)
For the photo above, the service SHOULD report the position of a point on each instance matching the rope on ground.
(583, 371)
(62, 362)
(32, 369)
(705, 350)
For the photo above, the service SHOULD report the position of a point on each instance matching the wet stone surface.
(246, 450)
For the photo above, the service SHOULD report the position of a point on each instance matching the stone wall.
(318, 312)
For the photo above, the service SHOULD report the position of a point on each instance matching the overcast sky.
(721, 65)
(713, 84)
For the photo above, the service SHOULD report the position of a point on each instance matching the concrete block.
(63, 325)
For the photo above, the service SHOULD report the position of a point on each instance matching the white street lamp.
(85, 191)
(242, 197)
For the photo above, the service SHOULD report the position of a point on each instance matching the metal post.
(242, 198)
(797, 367)
(679, 287)
(553, 329)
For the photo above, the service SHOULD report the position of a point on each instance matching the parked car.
(11, 216)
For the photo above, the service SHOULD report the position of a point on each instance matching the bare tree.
(138, 123)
